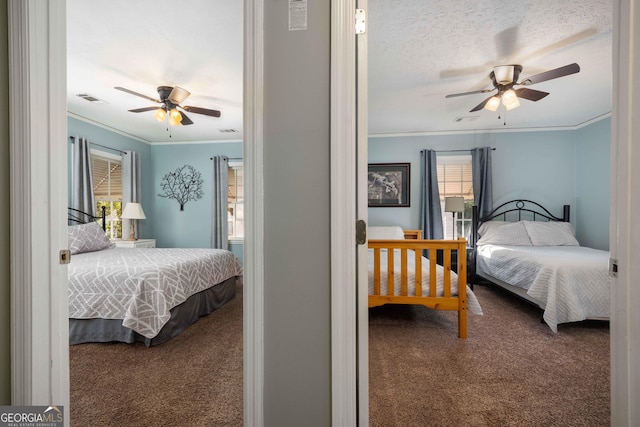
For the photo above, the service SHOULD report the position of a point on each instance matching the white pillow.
(503, 233)
(385, 233)
(489, 226)
(551, 233)
(87, 238)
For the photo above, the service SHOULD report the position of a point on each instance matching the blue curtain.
(130, 187)
(82, 197)
(219, 199)
(481, 176)
(430, 212)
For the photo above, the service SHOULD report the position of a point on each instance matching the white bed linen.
(142, 285)
(571, 283)
(472, 302)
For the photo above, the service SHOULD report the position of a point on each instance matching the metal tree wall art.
(184, 184)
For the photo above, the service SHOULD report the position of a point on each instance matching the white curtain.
(82, 197)
(130, 186)
(219, 197)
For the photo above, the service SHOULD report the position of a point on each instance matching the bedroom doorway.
(183, 61)
(621, 320)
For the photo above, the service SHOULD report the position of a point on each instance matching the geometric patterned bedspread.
(141, 285)
(571, 283)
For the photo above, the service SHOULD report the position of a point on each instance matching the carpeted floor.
(511, 371)
(194, 379)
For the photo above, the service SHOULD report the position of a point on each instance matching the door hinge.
(65, 256)
(361, 232)
(361, 21)
(613, 267)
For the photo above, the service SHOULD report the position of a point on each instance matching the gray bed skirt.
(182, 316)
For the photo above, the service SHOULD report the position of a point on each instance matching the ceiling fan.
(170, 98)
(505, 77)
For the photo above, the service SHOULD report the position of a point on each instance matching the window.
(107, 189)
(236, 201)
(455, 180)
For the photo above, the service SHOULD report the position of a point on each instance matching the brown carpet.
(511, 371)
(194, 379)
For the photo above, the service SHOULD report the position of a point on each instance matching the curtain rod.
(455, 151)
(230, 158)
(73, 138)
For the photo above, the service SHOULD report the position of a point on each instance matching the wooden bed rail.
(424, 292)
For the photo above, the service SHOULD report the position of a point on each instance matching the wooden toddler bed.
(408, 277)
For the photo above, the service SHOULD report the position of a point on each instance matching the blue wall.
(190, 228)
(593, 189)
(102, 136)
(550, 167)
(165, 222)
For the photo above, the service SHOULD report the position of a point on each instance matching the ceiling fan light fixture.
(510, 100)
(503, 74)
(174, 117)
(492, 104)
(160, 114)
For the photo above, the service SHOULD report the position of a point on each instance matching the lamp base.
(132, 232)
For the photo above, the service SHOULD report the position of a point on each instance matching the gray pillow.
(87, 238)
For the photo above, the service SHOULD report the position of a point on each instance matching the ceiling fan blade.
(142, 110)
(530, 94)
(178, 95)
(185, 119)
(481, 105)
(136, 94)
(453, 95)
(551, 74)
(205, 111)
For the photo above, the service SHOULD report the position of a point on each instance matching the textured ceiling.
(419, 51)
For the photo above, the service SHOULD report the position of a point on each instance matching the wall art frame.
(388, 185)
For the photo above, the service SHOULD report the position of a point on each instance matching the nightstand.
(140, 243)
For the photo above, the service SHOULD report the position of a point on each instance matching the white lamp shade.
(133, 211)
(453, 204)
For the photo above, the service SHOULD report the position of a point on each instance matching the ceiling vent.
(461, 119)
(228, 131)
(91, 98)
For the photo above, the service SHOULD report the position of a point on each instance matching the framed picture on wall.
(388, 184)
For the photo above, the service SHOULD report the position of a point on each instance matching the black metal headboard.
(513, 210)
(75, 216)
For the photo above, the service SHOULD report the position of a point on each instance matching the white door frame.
(362, 135)
(253, 292)
(625, 204)
(38, 193)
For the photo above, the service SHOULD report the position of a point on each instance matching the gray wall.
(5, 284)
(297, 389)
